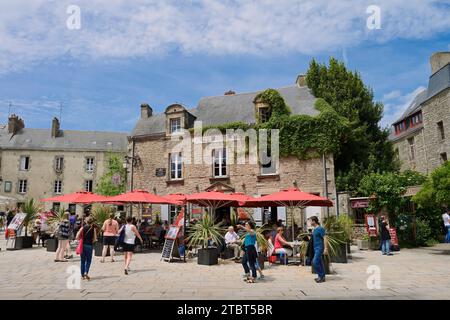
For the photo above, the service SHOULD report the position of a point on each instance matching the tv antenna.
(9, 108)
(60, 111)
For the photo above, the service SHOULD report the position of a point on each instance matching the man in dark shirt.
(385, 237)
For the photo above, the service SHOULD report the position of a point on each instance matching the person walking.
(446, 220)
(250, 254)
(63, 238)
(110, 229)
(89, 235)
(385, 237)
(320, 243)
(130, 234)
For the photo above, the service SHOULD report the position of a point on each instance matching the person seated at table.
(157, 230)
(232, 241)
(281, 245)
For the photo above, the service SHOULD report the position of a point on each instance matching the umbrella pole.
(292, 221)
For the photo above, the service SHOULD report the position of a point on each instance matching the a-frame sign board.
(170, 250)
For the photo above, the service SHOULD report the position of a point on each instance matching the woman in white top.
(131, 233)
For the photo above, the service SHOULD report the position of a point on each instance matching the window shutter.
(164, 212)
(281, 214)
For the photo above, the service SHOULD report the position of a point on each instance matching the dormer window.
(264, 114)
(175, 125)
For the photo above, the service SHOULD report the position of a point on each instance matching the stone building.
(421, 136)
(40, 163)
(161, 170)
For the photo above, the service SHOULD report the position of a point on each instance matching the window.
(220, 163)
(24, 163)
(411, 148)
(176, 166)
(175, 125)
(90, 164)
(441, 130)
(23, 186)
(268, 165)
(173, 211)
(59, 162)
(57, 187)
(8, 186)
(443, 157)
(264, 114)
(88, 185)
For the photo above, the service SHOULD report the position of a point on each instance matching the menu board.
(17, 221)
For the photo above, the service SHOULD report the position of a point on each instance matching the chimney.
(15, 124)
(55, 127)
(301, 80)
(229, 93)
(146, 111)
(439, 60)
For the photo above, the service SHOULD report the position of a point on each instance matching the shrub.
(423, 232)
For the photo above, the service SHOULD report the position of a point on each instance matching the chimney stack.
(55, 127)
(439, 60)
(146, 111)
(15, 124)
(301, 80)
(229, 93)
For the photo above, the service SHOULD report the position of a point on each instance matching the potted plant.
(54, 220)
(200, 234)
(363, 244)
(339, 231)
(30, 209)
(100, 215)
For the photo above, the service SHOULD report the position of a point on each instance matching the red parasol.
(80, 197)
(139, 197)
(290, 198)
(177, 197)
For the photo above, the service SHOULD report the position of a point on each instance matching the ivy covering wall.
(303, 136)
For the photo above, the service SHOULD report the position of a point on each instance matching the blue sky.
(163, 52)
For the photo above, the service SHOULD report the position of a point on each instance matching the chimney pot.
(146, 111)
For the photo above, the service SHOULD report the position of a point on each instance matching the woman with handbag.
(128, 236)
(86, 236)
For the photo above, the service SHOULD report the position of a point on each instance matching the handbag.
(121, 238)
(79, 249)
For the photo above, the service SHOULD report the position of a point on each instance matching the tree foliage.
(436, 190)
(113, 182)
(365, 148)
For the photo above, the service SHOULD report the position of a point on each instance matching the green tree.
(113, 182)
(388, 188)
(365, 148)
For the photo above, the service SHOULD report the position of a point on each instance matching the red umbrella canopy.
(82, 197)
(290, 198)
(139, 196)
(180, 198)
(216, 199)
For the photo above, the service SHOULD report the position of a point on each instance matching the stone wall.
(308, 175)
(435, 110)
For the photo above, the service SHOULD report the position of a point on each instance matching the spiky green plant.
(31, 209)
(101, 214)
(233, 217)
(203, 230)
(334, 243)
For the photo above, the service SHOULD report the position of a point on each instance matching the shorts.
(109, 240)
(127, 247)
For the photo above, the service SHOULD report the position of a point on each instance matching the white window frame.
(24, 163)
(218, 157)
(175, 125)
(23, 186)
(59, 163)
(57, 187)
(90, 164)
(177, 160)
(86, 185)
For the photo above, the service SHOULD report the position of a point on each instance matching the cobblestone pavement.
(409, 274)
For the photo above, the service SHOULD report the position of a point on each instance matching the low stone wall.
(359, 231)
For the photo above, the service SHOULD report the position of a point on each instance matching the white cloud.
(35, 31)
(395, 104)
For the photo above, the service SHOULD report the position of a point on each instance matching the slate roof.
(69, 140)
(232, 108)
